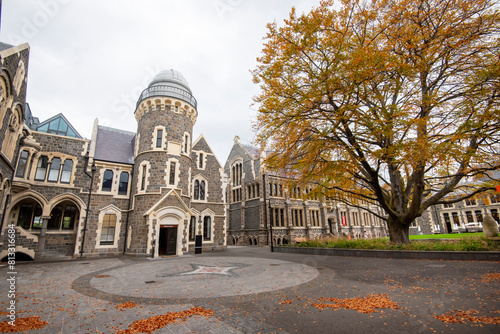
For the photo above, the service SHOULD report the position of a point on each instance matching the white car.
(473, 227)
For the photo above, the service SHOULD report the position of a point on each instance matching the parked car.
(473, 227)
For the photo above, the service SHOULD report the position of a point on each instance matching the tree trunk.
(399, 233)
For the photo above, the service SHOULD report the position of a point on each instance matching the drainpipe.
(91, 175)
(271, 225)
(264, 190)
(128, 212)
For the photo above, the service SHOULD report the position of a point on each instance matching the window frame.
(207, 232)
(159, 138)
(52, 170)
(66, 170)
(26, 160)
(122, 192)
(43, 159)
(108, 242)
(192, 229)
(110, 180)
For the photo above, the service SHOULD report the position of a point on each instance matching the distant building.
(452, 218)
(153, 190)
(258, 200)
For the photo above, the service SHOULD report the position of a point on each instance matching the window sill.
(37, 231)
(105, 246)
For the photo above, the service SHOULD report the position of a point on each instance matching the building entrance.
(168, 240)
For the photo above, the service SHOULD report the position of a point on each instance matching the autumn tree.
(392, 102)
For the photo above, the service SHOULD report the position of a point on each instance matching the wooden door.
(172, 240)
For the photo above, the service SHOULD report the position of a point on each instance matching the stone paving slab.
(209, 277)
(276, 296)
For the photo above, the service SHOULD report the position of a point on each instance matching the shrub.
(475, 243)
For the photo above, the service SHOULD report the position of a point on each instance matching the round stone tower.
(165, 113)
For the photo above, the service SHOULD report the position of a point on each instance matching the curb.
(391, 254)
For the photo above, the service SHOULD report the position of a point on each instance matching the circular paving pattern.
(202, 277)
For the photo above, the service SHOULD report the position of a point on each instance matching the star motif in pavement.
(199, 269)
(211, 270)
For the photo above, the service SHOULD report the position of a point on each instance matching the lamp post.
(91, 175)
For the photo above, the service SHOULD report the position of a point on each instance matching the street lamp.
(91, 175)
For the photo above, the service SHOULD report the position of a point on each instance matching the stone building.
(258, 200)
(13, 84)
(452, 218)
(152, 191)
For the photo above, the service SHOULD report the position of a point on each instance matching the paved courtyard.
(250, 290)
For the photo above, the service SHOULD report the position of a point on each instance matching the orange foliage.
(393, 102)
(366, 304)
(471, 315)
(22, 325)
(151, 324)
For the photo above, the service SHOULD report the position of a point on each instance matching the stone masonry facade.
(153, 191)
(158, 191)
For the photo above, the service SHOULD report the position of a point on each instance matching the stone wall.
(13, 73)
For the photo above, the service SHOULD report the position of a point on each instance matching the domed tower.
(165, 113)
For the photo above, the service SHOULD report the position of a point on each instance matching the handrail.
(162, 90)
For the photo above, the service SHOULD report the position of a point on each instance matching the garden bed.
(478, 248)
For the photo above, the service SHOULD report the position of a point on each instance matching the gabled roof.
(201, 143)
(57, 125)
(247, 152)
(252, 150)
(114, 145)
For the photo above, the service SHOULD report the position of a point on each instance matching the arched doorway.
(63, 217)
(29, 214)
(170, 236)
(60, 238)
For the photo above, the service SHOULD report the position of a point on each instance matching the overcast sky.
(92, 58)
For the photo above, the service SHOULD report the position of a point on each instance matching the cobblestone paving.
(252, 290)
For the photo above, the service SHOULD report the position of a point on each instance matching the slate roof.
(5, 46)
(254, 151)
(114, 145)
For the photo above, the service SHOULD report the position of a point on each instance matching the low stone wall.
(393, 254)
(25, 242)
(62, 244)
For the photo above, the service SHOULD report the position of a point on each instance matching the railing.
(168, 91)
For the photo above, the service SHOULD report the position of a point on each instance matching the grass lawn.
(446, 236)
(452, 242)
